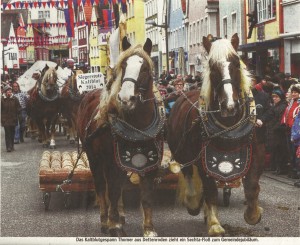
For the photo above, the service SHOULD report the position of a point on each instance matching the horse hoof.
(122, 220)
(72, 142)
(104, 229)
(52, 146)
(193, 212)
(150, 233)
(117, 232)
(216, 230)
(253, 220)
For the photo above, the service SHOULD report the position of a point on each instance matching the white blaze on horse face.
(228, 86)
(133, 68)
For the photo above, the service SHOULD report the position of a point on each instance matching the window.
(40, 14)
(202, 28)
(266, 9)
(206, 27)
(190, 35)
(233, 23)
(198, 33)
(225, 27)
(47, 14)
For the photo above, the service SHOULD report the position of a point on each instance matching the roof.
(11, 16)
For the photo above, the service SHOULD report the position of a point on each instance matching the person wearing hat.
(10, 110)
(69, 69)
(288, 119)
(278, 146)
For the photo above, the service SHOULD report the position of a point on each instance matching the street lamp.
(165, 26)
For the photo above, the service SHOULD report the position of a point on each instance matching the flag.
(69, 17)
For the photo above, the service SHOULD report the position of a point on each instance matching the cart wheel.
(46, 199)
(67, 199)
(226, 196)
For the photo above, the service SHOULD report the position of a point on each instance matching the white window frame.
(40, 14)
(265, 10)
(225, 26)
(233, 25)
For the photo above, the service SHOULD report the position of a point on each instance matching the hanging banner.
(90, 81)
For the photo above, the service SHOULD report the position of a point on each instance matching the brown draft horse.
(130, 141)
(43, 105)
(70, 100)
(213, 129)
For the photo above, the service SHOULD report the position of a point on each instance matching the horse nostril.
(132, 98)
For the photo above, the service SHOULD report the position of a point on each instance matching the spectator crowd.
(278, 117)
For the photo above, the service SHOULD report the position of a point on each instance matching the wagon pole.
(71, 174)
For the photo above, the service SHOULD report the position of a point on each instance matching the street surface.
(23, 213)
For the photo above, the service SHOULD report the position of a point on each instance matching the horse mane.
(222, 49)
(109, 95)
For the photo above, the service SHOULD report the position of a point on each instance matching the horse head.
(135, 68)
(223, 75)
(48, 85)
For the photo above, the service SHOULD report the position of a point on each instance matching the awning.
(260, 45)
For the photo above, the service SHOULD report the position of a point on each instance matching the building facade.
(202, 19)
(291, 37)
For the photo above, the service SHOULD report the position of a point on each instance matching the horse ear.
(56, 67)
(148, 46)
(235, 41)
(125, 44)
(207, 42)
(45, 68)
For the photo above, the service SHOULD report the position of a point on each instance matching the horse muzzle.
(128, 104)
(229, 109)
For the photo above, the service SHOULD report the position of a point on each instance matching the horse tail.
(190, 191)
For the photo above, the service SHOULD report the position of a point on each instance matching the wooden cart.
(55, 168)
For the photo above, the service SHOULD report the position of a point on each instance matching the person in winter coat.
(288, 119)
(10, 109)
(279, 152)
(295, 139)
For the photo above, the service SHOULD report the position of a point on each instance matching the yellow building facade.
(264, 46)
(136, 21)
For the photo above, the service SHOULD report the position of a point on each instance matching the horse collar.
(212, 128)
(130, 133)
(45, 98)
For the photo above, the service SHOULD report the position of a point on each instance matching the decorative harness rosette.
(138, 151)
